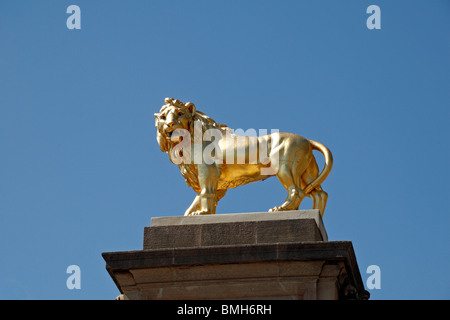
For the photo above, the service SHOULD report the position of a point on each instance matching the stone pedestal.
(281, 255)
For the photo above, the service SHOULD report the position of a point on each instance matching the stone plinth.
(234, 229)
(282, 255)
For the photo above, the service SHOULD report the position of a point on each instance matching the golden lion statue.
(211, 166)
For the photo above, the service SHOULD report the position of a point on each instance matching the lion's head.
(172, 116)
(178, 115)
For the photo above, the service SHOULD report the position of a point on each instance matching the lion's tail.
(327, 168)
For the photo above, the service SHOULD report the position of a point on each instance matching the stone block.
(234, 229)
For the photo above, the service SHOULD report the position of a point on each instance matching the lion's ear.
(191, 107)
(162, 142)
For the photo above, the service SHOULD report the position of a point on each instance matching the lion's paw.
(281, 208)
(200, 213)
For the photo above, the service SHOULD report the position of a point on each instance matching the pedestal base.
(238, 256)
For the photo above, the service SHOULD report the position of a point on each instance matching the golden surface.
(212, 165)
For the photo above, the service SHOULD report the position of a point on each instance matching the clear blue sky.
(81, 172)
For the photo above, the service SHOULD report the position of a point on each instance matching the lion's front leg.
(208, 177)
(194, 206)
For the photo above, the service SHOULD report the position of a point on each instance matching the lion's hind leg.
(320, 198)
(295, 194)
(318, 195)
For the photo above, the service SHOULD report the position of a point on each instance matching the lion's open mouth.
(169, 132)
(177, 137)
